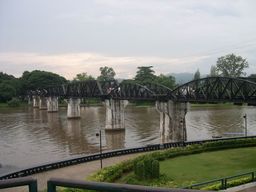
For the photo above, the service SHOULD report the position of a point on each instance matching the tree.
(7, 92)
(232, 65)
(10, 87)
(40, 79)
(106, 74)
(168, 81)
(213, 71)
(197, 75)
(145, 74)
(83, 77)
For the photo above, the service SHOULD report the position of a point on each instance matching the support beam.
(73, 108)
(115, 114)
(35, 101)
(52, 104)
(172, 121)
(29, 100)
(42, 103)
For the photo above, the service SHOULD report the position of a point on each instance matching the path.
(249, 187)
(77, 172)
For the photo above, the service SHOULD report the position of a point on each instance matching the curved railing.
(104, 155)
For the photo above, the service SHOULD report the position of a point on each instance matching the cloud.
(71, 64)
(173, 36)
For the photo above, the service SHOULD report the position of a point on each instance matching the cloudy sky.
(73, 36)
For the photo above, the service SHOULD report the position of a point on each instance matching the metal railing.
(223, 182)
(104, 155)
(106, 187)
(26, 181)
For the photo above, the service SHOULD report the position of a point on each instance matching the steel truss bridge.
(205, 90)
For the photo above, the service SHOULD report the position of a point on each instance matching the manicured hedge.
(112, 173)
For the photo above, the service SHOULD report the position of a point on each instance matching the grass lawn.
(210, 165)
(185, 170)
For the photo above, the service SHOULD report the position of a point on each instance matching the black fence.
(26, 181)
(88, 158)
(106, 187)
(224, 182)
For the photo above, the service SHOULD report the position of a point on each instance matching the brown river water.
(30, 137)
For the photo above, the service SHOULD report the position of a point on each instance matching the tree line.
(229, 65)
(11, 87)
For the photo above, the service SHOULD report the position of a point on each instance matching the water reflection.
(30, 136)
(115, 139)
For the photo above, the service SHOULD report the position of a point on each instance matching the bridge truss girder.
(205, 90)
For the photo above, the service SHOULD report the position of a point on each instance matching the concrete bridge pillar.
(115, 114)
(35, 101)
(29, 100)
(74, 108)
(42, 103)
(52, 104)
(172, 120)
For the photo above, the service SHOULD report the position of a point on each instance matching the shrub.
(110, 174)
(140, 170)
(148, 168)
(155, 169)
(14, 102)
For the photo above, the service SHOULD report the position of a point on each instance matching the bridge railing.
(108, 154)
(106, 187)
(18, 182)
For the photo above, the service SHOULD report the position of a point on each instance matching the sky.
(75, 36)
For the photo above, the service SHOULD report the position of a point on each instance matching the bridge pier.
(42, 103)
(52, 104)
(172, 121)
(73, 108)
(35, 101)
(115, 115)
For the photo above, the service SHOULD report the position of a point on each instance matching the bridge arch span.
(216, 89)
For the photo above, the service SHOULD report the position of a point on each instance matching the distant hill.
(182, 77)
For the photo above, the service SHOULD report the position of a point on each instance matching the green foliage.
(155, 169)
(232, 183)
(197, 75)
(148, 167)
(145, 74)
(14, 102)
(112, 173)
(106, 74)
(7, 91)
(83, 77)
(40, 79)
(231, 65)
(140, 170)
(168, 81)
(213, 71)
(5, 77)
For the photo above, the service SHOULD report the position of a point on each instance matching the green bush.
(14, 102)
(155, 169)
(148, 167)
(112, 173)
(140, 170)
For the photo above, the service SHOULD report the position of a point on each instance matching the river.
(30, 136)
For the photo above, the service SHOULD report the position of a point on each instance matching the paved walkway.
(250, 187)
(77, 172)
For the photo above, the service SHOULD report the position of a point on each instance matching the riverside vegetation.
(175, 165)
